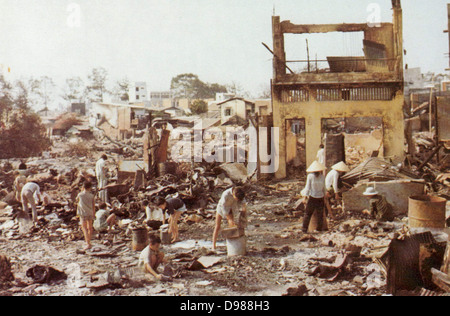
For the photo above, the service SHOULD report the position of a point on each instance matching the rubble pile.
(45, 259)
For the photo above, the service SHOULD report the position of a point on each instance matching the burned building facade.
(364, 86)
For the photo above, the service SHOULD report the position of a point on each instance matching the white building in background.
(138, 92)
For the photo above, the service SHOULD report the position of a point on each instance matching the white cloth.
(154, 214)
(315, 186)
(332, 180)
(321, 156)
(144, 257)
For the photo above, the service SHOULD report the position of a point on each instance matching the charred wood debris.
(60, 174)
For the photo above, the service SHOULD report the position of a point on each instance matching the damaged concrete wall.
(312, 96)
(397, 193)
(313, 112)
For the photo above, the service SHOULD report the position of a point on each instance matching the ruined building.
(352, 87)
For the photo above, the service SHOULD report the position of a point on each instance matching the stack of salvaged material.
(442, 278)
(373, 169)
(390, 181)
(409, 263)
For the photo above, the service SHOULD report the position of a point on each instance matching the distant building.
(161, 99)
(174, 111)
(263, 107)
(119, 120)
(138, 92)
(238, 107)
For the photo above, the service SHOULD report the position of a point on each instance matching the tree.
(24, 136)
(97, 85)
(74, 90)
(237, 89)
(191, 87)
(40, 91)
(199, 107)
(21, 99)
(6, 102)
(22, 133)
(121, 90)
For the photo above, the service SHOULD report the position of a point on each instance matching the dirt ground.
(280, 259)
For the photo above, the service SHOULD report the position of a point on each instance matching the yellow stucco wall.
(313, 111)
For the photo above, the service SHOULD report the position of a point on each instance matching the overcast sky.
(219, 40)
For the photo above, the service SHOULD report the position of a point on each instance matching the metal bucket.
(166, 168)
(426, 211)
(237, 246)
(166, 238)
(140, 239)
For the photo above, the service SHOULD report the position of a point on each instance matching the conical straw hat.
(341, 166)
(316, 167)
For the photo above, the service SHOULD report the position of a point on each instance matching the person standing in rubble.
(314, 195)
(231, 200)
(102, 179)
(19, 182)
(29, 194)
(321, 155)
(86, 212)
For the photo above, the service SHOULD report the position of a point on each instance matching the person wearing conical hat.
(314, 195)
(332, 179)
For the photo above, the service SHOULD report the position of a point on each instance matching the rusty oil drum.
(140, 239)
(426, 211)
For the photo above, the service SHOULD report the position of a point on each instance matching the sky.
(219, 40)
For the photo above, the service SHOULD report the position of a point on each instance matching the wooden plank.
(288, 27)
(441, 280)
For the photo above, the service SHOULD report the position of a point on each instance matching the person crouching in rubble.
(86, 212)
(332, 183)
(155, 217)
(30, 192)
(380, 209)
(104, 220)
(230, 201)
(152, 257)
(314, 195)
(174, 207)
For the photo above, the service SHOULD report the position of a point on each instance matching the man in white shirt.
(102, 179)
(231, 201)
(321, 155)
(332, 179)
(30, 192)
(314, 195)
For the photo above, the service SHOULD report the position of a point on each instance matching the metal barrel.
(426, 211)
(140, 239)
(166, 168)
